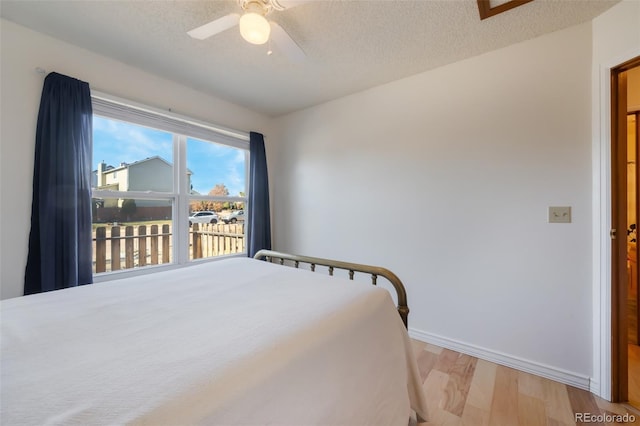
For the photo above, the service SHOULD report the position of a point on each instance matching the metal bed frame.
(374, 271)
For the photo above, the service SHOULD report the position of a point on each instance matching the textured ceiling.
(350, 45)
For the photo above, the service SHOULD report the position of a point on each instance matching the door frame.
(619, 205)
(602, 378)
(619, 220)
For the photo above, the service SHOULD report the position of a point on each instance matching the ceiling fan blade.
(286, 44)
(287, 4)
(215, 27)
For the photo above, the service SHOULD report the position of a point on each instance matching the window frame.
(182, 128)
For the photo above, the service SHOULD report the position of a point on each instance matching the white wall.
(616, 39)
(22, 51)
(445, 178)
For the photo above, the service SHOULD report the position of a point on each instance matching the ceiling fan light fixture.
(254, 28)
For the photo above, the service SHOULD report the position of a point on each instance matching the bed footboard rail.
(352, 268)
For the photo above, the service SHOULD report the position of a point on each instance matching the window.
(167, 190)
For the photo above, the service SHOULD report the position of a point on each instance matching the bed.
(233, 342)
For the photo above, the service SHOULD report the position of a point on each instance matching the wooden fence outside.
(143, 245)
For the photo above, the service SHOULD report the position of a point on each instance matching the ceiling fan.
(254, 27)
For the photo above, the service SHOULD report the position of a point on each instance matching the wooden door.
(619, 248)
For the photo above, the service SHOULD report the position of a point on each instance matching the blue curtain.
(259, 228)
(60, 238)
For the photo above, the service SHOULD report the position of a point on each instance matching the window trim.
(182, 128)
(123, 109)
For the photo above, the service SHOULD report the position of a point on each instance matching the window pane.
(215, 229)
(215, 169)
(131, 233)
(128, 157)
(137, 229)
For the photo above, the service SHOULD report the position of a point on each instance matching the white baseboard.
(528, 366)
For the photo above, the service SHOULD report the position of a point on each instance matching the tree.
(198, 206)
(240, 205)
(218, 190)
(205, 205)
(128, 209)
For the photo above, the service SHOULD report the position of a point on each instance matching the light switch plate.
(559, 214)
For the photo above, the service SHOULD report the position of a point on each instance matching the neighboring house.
(151, 174)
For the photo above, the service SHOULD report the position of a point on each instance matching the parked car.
(233, 217)
(203, 217)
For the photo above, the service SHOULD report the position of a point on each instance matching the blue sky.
(115, 142)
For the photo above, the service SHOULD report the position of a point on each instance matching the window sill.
(146, 270)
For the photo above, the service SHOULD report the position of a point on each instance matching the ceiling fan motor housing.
(256, 6)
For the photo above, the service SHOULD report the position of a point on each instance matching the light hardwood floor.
(465, 391)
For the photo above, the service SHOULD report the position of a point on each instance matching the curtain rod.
(167, 113)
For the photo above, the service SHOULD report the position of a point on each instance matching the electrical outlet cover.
(559, 214)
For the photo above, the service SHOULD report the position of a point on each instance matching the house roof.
(350, 45)
(123, 166)
(138, 162)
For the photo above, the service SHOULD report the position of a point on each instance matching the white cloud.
(116, 142)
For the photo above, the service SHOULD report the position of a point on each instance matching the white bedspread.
(234, 342)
